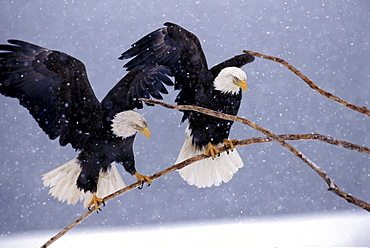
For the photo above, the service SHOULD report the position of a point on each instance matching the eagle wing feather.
(53, 86)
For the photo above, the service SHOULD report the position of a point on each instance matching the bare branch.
(65, 230)
(313, 136)
(362, 110)
(332, 186)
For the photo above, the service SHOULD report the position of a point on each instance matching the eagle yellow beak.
(146, 132)
(242, 84)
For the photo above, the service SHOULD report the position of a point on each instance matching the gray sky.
(326, 40)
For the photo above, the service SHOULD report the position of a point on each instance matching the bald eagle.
(54, 87)
(218, 88)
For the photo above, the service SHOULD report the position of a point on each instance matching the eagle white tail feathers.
(208, 172)
(109, 182)
(62, 182)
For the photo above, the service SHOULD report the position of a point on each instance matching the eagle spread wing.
(177, 49)
(53, 86)
(141, 82)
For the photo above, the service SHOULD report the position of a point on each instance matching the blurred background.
(327, 40)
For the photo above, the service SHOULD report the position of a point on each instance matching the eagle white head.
(127, 123)
(231, 80)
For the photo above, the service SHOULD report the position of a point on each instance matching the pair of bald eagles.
(54, 87)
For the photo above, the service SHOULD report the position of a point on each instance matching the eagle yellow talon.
(212, 150)
(143, 179)
(230, 144)
(96, 201)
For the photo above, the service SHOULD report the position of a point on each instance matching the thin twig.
(245, 142)
(362, 110)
